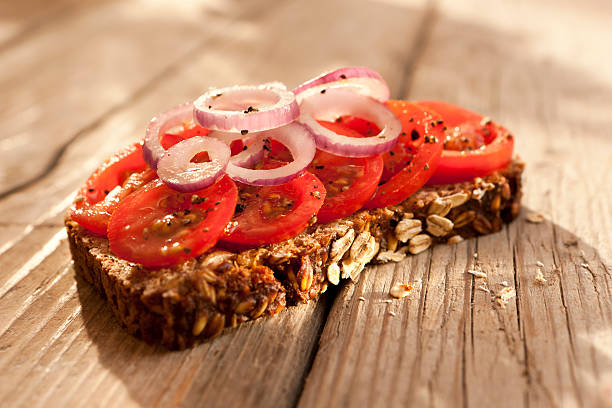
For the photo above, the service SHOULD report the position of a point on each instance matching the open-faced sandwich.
(253, 198)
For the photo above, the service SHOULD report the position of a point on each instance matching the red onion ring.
(252, 153)
(229, 137)
(246, 109)
(338, 102)
(152, 150)
(359, 79)
(177, 171)
(275, 84)
(300, 143)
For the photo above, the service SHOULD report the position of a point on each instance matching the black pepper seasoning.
(414, 134)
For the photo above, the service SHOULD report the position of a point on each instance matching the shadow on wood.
(453, 339)
(259, 363)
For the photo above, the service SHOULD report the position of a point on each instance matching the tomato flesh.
(474, 146)
(157, 226)
(415, 157)
(364, 128)
(116, 178)
(349, 181)
(266, 215)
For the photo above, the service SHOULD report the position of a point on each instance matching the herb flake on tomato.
(415, 157)
(266, 215)
(116, 178)
(157, 226)
(349, 181)
(474, 146)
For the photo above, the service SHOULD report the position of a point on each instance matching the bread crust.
(181, 306)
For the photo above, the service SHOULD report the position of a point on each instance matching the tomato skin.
(464, 165)
(363, 174)
(414, 159)
(159, 227)
(92, 208)
(186, 131)
(254, 226)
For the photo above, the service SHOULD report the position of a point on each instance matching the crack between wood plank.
(445, 313)
(419, 343)
(95, 124)
(464, 391)
(419, 44)
(570, 334)
(421, 40)
(521, 329)
(59, 153)
(331, 295)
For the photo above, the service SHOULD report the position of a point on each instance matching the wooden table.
(80, 79)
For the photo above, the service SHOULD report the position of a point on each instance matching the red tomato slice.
(116, 178)
(414, 159)
(180, 133)
(157, 226)
(349, 181)
(363, 127)
(473, 147)
(266, 215)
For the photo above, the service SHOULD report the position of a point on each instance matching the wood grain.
(66, 76)
(450, 343)
(63, 346)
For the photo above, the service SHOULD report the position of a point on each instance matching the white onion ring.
(246, 109)
(152, 150)
(338, 102)
(177, 171)
(300, 143)
(359, 79)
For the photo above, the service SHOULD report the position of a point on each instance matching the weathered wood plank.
(76, 354)
(451, 343)
(21, 18)
(93, 62)
(223, 65)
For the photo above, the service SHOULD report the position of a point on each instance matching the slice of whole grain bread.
(183, 305)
